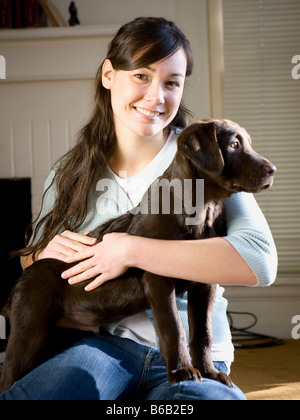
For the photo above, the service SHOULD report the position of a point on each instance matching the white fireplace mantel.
(54, 53)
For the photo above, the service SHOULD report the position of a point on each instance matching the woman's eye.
(173, 84)
(141, 77)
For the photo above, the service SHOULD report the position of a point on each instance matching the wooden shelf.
(56, 33)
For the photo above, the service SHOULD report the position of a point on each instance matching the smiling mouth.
(146, 113)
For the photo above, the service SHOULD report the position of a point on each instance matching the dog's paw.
(186, 374)
(219, 377)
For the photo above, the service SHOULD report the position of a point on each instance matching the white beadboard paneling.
(5, 150)
(58, 141)
(12, 151)
(38, 124)
(41, 158)
(22, 149)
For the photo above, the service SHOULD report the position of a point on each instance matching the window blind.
(261, 38)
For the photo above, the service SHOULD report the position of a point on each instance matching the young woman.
(130, 138)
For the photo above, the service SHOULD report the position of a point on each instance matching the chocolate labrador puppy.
(219, 152)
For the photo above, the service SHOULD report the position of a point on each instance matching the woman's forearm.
(211, 261)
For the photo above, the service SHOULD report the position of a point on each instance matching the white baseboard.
(274, 306)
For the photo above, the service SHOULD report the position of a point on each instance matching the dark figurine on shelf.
(73, 21)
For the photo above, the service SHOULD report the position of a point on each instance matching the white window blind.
(261, 38)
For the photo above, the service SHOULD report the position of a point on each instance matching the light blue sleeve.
(249, 233)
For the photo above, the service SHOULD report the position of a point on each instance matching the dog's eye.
(234, 145)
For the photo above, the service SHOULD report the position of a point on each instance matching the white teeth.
(148, 113)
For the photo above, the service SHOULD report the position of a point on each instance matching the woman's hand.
(66, 245)
(106, 261)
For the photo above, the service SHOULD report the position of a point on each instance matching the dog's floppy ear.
(199, 144)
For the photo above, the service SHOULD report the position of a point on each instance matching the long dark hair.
(137, 44)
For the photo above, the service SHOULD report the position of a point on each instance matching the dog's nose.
(270, 169)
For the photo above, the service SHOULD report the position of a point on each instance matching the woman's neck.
(132, 154)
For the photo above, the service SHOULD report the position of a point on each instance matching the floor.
(269, 374)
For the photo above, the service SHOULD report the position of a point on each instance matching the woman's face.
(146, 100)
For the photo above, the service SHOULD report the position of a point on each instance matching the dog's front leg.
(201, 300)
(160, 292)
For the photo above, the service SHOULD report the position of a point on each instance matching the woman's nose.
(155, 95)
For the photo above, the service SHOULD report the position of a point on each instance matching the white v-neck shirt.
(136, 186)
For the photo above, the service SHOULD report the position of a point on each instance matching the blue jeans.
(108, 367)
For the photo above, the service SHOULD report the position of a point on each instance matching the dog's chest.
(212, 222)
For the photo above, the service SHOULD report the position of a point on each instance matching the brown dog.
(219, 152)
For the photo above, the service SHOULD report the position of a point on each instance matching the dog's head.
(221, 150)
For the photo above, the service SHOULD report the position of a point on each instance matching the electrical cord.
(241, 335)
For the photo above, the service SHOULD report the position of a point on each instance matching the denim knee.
(206, 390)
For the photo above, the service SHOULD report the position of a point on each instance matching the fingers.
(80, 272)
(84, 276)
(99, 281)
(86, 271)
(80, 255)
(56, 251)
(75, 241)
(102, 262)
(68, 244)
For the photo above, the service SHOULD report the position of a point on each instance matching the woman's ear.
(107, 74)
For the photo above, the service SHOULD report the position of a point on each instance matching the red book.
(5, 14)
(32, 13)
(18, 13)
